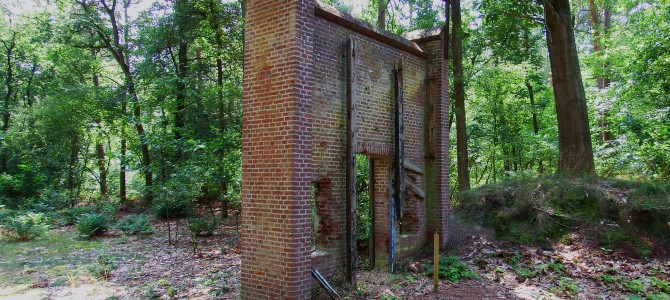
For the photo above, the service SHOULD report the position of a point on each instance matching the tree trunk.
(459, 99)
(74, 155)
(223, 112)
(536, 128)
(575, 152)
(182, 74)
(9, 82)
(124, 149)
(598, 47)
(533, 110)
(99, 147)
(381, 13)
(182, 69)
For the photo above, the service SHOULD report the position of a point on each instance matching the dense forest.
(126, 108)
(121, 101)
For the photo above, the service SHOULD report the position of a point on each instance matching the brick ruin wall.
(294, 143)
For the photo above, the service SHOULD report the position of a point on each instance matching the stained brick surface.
(294, 127)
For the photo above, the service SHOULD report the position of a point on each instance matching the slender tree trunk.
(182, 73)
(223, 110)
(123, 59)
(575, 152)
(182, 69)
(30, 96)
(9, 82)
(533, 109)
(381, 13)
(599, 27)
(99, 147)
(74, 155)
(536, 128)
(459, 98)
(124, 149)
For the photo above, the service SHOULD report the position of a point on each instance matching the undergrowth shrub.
(171, 208)
(103, 267)
(450, 268)
(92, 224)
(135, 224)
(69, 216)
(202, 226)
(25, 227)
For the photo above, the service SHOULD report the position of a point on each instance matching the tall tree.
(575, 152)
(459, 98)
(9, 46)
(600, 27)
(115, 41)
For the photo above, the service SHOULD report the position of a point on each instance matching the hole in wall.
(363, 213)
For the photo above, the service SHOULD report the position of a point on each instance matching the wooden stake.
(436, 260)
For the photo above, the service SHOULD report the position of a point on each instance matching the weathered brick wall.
(294, 128)
(276, 150)
(373, 74)
(437, 203)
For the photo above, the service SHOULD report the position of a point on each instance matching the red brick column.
(276, 150)
(443, 207)
(438, 168)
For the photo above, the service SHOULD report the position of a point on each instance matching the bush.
(92, 224)
(24, 184)
(171, 208)
(25, 227)
(450, 268)
(201, 226)
(135, 224)
(70, 215)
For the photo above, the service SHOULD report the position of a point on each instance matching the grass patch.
(450, 268)
(56, 255)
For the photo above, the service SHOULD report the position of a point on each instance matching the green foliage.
(568, 287)
(24, 227)
(450, 268)
(70, 215)
(202, 226)
(103, 267)
(633, 285)
(92, 224)
(545, 209)
(171, 208)
(363, 221)
(135, 224)
(23, 185)
(660, 284)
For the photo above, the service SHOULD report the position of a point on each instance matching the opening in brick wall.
(364, 204)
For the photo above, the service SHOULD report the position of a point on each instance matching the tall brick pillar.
(437, 167)
(276, 155)
(443, 207)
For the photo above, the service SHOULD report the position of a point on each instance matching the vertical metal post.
(371, 193)
(351, 164)
(398, 186)
(399, 165)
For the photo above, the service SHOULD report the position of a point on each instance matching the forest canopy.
(122, 101)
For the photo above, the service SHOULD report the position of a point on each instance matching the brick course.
(294, 127)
